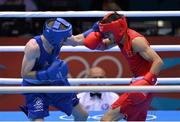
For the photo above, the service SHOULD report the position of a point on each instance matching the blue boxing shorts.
(38, 103)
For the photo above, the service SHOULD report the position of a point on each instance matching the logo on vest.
(105, 106)
(38, 104)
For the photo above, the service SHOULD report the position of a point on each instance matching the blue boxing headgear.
(56, 33)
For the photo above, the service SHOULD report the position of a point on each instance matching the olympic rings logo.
(97, 61)
(150, 117)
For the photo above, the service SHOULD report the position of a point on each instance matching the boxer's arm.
(31, 52)
(141, 46)
(81, 40)
(78, 39)
(75, 40)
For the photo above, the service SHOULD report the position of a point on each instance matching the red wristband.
(151, 78)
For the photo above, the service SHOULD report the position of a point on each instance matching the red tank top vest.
(137, 64)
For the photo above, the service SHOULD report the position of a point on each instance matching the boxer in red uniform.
(143, 61)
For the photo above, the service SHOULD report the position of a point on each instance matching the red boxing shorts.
(134, 105)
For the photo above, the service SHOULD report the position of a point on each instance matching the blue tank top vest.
(44, 60)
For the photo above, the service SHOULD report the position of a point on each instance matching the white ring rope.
(38, 14)
(84, 49)
(77, 81)
(76, 89)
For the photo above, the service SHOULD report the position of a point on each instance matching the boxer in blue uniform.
(41, 66)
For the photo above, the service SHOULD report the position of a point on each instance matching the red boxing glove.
(151, 78)
(139, 97)
(93, 40)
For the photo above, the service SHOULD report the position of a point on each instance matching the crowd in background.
(147, 26)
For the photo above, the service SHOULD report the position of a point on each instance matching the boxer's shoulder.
(32, 47)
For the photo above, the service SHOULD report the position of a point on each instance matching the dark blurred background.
(151, 26)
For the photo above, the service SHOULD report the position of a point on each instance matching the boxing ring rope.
(77, 81)
(84, 49)
(38, 14)
(76, 89)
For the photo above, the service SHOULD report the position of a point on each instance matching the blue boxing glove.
(95, 28)
(57, 70)
(63, 75)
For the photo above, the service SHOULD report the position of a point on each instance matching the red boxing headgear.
(117, 27)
